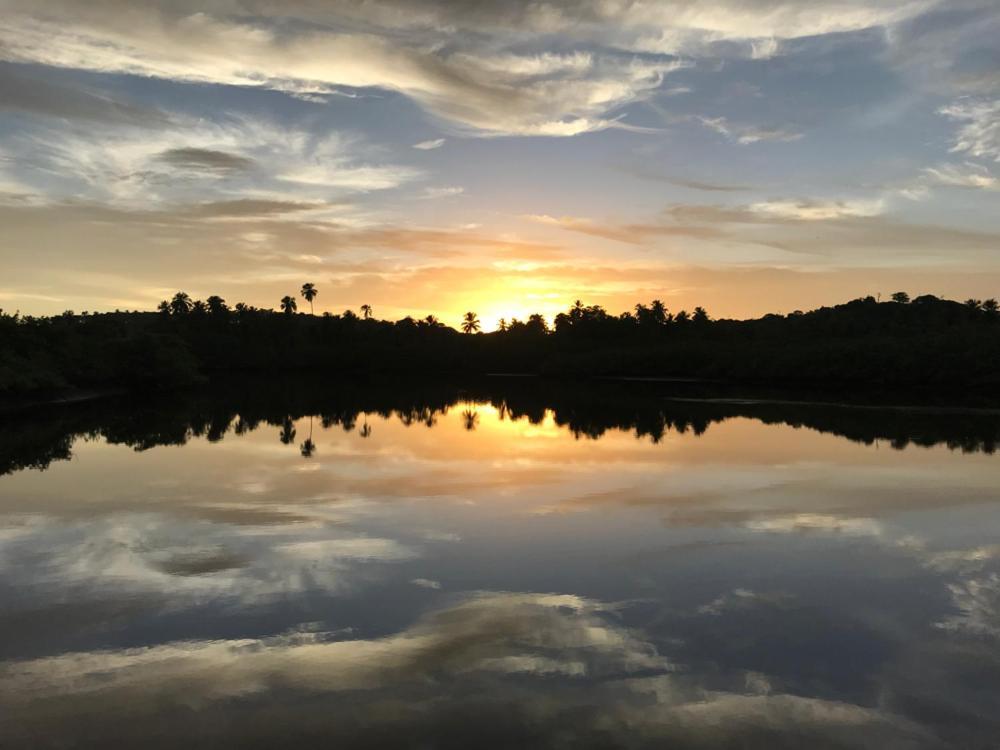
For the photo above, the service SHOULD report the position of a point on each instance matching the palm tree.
(309, 294)
(163, 308)
(217, 305)
(659, 311)
(180, 304)
(366, 312)
(470, 323)
(288, 305)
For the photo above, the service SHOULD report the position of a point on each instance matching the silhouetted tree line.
(926, 341)
(34, 439)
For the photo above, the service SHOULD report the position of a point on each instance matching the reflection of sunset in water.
(688, 573)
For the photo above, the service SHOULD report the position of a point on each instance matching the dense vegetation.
(924, 342)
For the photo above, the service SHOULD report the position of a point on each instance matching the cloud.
(969, 176)
(818, 210)
(205, 158)
(746, 134)
(492, 91)
(232, 159)
(429, 145)
(431, 193)
(979, 132)
(628, 233)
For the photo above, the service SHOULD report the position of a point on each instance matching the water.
(509, 564)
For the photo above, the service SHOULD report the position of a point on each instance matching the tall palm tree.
(309, 294)
(366, 311)
(288, 305)
(181, 304)
(470, 323)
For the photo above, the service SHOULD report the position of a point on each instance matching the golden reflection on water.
(406, 574)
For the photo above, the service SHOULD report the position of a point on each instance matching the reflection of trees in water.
(34, 439)
(308, 447)
(470, 419)
(287, 434)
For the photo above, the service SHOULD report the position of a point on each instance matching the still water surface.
(514, 564)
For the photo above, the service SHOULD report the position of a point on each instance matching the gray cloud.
(205, 158)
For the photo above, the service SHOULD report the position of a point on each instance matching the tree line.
(925, 341)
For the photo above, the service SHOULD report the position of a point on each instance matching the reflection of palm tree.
(308, 448)
(309, 294)
(287, 434)
(365, 430)
(470, 419)
(366, 312)
(288, 305)
(470, 323)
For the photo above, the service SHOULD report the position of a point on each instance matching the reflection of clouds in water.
(976, 592)
(972, 577)
(509, 669)
(189, 561)
(741, 599)
(803, 522)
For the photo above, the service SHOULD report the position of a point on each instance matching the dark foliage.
(924, 342)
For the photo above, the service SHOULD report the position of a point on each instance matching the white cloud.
(429, 145)
(441, 192)
(972, 176)
(497, 92)
(819, 210)
(979, 133)
(236, 159)
(746, 134)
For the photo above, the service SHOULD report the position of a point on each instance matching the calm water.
(515, 564)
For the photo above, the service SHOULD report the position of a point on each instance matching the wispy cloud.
(431, 193)
(979, 132)
(747, 134)
(429, 145)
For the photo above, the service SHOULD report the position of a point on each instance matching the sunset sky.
(504, 156)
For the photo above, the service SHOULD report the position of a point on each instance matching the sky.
(503, 156)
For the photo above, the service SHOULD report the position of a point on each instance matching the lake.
(507, 563)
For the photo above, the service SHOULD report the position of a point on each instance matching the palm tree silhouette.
(366, 311)
(309, 294)
(217, 305)
(181, 304)
(288, 305)
(470, 323)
